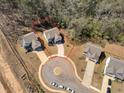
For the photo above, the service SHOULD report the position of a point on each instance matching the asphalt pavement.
(67, 77)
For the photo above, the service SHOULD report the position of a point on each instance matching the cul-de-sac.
(61, 46)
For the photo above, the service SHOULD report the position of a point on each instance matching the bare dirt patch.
(98, 73)
(33, 62)
(11, 80)
(115, 50)
(2, 90)
(98, 76)
(76, 55)
(117, 87)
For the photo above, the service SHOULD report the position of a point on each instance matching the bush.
(87, 19)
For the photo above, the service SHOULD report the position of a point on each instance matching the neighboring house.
(53, 36)
(30, 42)
(93, 52)
(114, 68)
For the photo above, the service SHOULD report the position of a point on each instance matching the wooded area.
(84, 19)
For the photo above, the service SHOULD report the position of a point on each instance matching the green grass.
(121, 38)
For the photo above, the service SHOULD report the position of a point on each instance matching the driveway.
(42, 56)
(60, 49)
(88, 75)
(105, 83)
(61, 71)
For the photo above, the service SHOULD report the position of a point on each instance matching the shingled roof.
(93, 52)
(49, 34)
(53, 35)
(29, 40)
(115, 68)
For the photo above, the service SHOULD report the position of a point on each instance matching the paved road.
(88, 75)
(67, 76)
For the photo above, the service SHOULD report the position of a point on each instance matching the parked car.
(61, 87)
(54, 84)
(109, 82)
(108, 90)
(70, 90)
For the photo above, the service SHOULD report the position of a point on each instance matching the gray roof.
(35, 44)
(28, 39)
(57, 38)
(51, 33)
(93, 52)
(115, 68)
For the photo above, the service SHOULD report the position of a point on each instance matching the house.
(30, 42)
(53, 36)
(93, 52)
(114, 68)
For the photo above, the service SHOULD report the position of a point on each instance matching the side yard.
(76, 55)
(32, 62)
(49, 50)
(117, 87)
(98, 75)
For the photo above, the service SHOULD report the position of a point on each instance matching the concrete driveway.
(105, 83)
(61, 71)
(88, 75)
(42, 56)
(60, 49)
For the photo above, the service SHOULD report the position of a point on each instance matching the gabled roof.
(93, 52)
(111, 70)
(29, 37)
(120, 73)
(50, 34)
(118, 68)
(57, 38)
(35, 44)
(29, 40)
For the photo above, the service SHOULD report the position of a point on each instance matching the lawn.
(117, 87)
(32, 62)
(77, 57)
